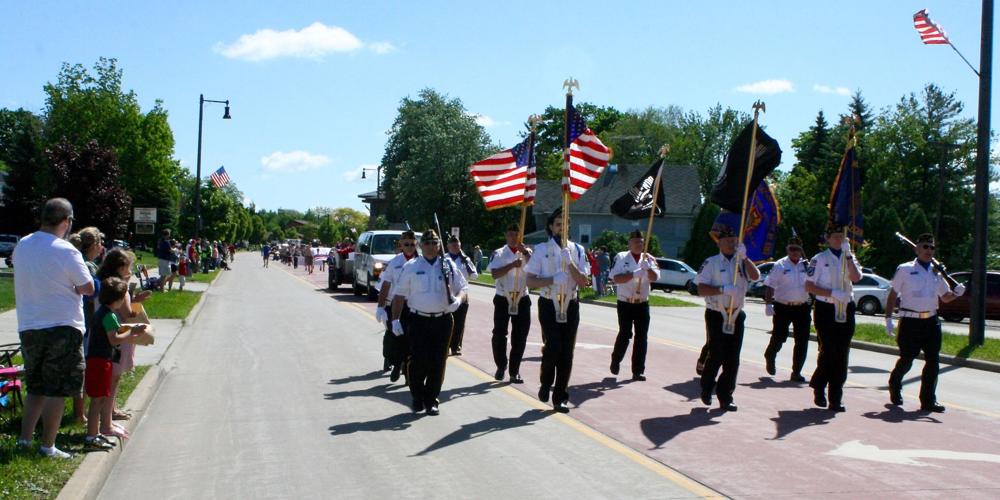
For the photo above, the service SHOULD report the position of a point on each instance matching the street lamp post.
(378, 178)
(197, 178)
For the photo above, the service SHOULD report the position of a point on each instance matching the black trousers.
(559, 341)
(396, 349)
(519, 326)
(632, 315)
(798, 318)
(429, 339)
(917, 335)
(834, 350)
(459, 331)
(723, 352)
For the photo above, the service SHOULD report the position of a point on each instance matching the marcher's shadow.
(388, 392)
(789, 421)
(484, 427)
(532, 359)
(770, 383)
(461, 392)
(593, 390)
(865, 369)
(394, 423)
(895, 414)
(660, 430)
(350, 298)
(357, 378)
(691, 389)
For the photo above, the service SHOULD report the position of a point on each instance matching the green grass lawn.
(6, 294)
(485, 278)
(147, 259)
(27, 474)
(171, 305)
(587, 294)
(953, 344)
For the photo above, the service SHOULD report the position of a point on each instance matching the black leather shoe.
(561, 407)
(728, 406)
(706, 397)
(699, 367)
(769, 362)
(433, 409)
(797, 378)
(895, 395)
(933, 407)
(638, 377)
(457, 351)
(819, 398)
(837, 408)
(386, 366)
(418, 406)
(499, 374)
(615, 367)
(516, 379)
(394, 376)
(543, 394)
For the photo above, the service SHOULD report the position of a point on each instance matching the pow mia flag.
(637, 202)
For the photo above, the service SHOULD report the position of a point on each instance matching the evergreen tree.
(700, 246)
(21, 151)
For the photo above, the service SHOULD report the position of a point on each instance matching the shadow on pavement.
(472, 390)
(394, 423)
(593, 390)
(396, 393)
(789, 421)
(916, 377)
(347, 298)
(691, 389)
(484, 427)
(357, 378)
(660, 430)
(895, 414)
(865, 369)
(768, 383)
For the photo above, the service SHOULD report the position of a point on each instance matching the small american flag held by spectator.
(220, 177)
(930, 33)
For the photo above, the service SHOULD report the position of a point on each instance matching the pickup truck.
(372, 252)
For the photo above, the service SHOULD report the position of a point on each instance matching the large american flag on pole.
(587, 155)
(930, 32)
(503, 179)
(220, 177)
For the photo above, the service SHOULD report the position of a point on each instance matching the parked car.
(958, 309)
(675, 275)
(870, 294)
(372, 252)
(7, 244)
(757, 288)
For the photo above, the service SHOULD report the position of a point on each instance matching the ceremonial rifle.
(938, 266)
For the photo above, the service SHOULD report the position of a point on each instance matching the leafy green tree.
(883, 250)
(700, 246)
(618, 242)
(916, 222)
(551, 134)
(21, 151)
(704, 141)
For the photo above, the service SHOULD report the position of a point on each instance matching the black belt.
(427, 315)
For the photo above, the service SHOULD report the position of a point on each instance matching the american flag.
(930, 32)
(503, 179)
(220, 177)
(587, 155)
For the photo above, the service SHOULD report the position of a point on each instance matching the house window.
(585, 234)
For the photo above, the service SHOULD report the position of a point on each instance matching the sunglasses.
(928, 247)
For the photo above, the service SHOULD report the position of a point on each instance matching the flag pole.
(757, 108)
(563, 301)
(974, 70)
(652, 211)
(514, 297)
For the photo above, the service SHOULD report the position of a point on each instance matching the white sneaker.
(54, 452)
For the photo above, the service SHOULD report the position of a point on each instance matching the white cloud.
(767, 87)
(312, 42)
(293, 161)
(826, 89)
(486, 121)
(355, 173)
(381, 47)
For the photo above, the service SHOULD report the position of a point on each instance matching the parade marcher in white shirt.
(395, 349)
(432, 288)
(633, 272)
(825, 281)
(552, 269)
(918, 287)
(468, 270)
(511, 286)
(715, 283)
(788, 303)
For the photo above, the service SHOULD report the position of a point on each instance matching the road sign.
(147, 215)
(144, 227)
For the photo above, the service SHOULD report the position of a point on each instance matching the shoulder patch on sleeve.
(703, 264)
(811, 270)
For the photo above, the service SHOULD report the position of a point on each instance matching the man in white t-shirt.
(50, 280)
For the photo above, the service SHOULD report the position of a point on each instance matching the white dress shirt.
(464, 265)
(918, 288)
(391, 273)
(546, 261)
(717, 271)
(422, 284)
(636, 289)
(824, 272)
(515, 280)
(788, 280)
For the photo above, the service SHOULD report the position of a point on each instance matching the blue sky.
(315, 85)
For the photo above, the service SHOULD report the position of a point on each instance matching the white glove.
(397, 328)
(741, 252)
(455, 304)
(959, 290)
(841, 296)
(639, 273)
(562, 278)
(890, 328)
(769, 310)
(380, 315)
(566, 255)
(730, 290)
(846, 248)
(644, 265)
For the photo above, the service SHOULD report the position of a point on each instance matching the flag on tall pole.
(845, 197)
(502, 179)
(586, 157)
(219, 178)
(932, 34)
(638, 202)
(728, 191)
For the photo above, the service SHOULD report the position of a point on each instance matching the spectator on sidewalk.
(477, 257)
(88, 242)
(51, 278)
(164, 257)
(604, 261)
(183, 267)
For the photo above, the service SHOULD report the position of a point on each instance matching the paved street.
(274, 392)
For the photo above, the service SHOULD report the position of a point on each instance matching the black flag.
(638, 201)
(728, 189)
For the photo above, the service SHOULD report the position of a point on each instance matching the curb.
(89, 478)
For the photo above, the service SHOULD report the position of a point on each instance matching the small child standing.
(106, 333)
(182, 268)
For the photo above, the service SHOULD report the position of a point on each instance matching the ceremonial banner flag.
(761, 230)
(930, 32)
(845, 198)
(587, 155)
(637, 202)
(502, 179)
(220, 177)
(729, 187)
